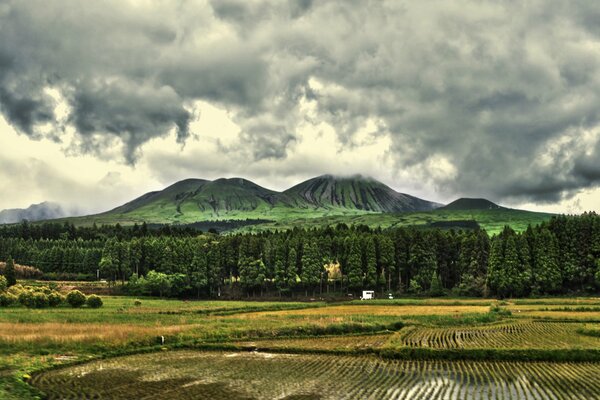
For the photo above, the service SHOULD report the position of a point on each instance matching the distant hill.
(35, 212)
(194, 200)
(471, 204)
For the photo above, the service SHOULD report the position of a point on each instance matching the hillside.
(471, 204)
(356, 192)
(199, 198)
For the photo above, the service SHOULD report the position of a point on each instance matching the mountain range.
(192, 200)
(35, 212)
(326, 199)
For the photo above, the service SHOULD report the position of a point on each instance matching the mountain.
(199, 198)
(35, 212)
(355, 192)
(194, 200)
(472, 204)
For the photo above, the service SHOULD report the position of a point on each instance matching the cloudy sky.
(102, 101)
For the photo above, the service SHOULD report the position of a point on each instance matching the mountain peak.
(466, 203)
(355, 192)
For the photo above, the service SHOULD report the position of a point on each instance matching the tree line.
(556, 257)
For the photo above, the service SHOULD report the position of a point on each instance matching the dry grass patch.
(58, 332)
(560, 315)
(376, 310)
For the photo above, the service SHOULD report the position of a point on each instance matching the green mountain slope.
(355, 192)
(194, 200)
(191, 200)
(324, 200)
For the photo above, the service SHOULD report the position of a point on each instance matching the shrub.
(3, 283)
(16, 289)
(7, 299)
(40, 300)
(94, 301)
(495, 308)
(26, 298)
(75, 298)
(137, 303)
(55, 299)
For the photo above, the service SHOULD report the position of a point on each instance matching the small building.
(368, 295)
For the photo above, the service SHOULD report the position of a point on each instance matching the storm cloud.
(494, 99)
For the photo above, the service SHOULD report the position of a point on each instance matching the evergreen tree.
(312, 267)
(354, 266)
(386, 260)
(435, 286)
(10, 273)
(369, 263)
(422, 262)
(547, 277)
(199, 272)
(291, 275)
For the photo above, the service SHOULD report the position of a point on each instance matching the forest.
(561, 256)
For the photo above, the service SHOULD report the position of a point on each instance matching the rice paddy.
(405, 348)
(221, 375)
(512, 335)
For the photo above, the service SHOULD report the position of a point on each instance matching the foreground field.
(561, 329)
(197, 375)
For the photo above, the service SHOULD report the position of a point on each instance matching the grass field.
(562, 329)
(491, 220)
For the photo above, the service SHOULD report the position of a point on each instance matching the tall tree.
(10, 273)
(354, 266)
(312, 266)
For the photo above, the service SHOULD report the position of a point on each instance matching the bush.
(75, 298)
(3, 283)
(67, 276)
(16, 289)
(26, 298)
(7, 299)
(496, 309)
(137, 303)
(55, 299)
(40, 300)
(94, 301)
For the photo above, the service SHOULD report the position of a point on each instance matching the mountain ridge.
(195, 199)
(35, 212)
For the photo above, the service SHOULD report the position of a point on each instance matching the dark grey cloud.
(507, 94)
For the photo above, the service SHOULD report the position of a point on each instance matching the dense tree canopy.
(561, 256)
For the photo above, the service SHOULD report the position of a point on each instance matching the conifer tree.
(369, 263)
(312, 266)
(10, 273)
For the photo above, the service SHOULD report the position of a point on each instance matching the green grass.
(282, 218)
(492, 221)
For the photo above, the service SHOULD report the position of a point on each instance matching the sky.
(103, 101)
